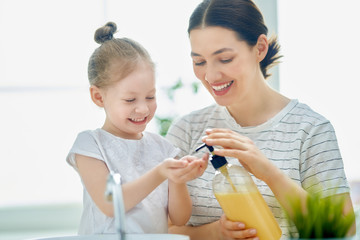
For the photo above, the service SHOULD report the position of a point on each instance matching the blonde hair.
(126, 52)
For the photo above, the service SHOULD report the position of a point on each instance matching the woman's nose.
(212, 74)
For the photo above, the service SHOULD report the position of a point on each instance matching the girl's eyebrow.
(193, 54)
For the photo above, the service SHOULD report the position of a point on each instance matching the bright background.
(44, 50)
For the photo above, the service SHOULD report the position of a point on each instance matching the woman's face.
(226, 66)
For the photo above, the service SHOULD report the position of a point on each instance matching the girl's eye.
(226, 60)
(151, 98)
(130, 100)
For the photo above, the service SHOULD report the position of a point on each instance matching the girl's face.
(226, 66)
(130, 102)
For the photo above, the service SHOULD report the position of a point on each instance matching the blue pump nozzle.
(211, 149)
(216, 160)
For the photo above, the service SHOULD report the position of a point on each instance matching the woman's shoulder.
(304, 112)
(302, 118)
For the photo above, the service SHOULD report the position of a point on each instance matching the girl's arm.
(94, 173)
(180, 204)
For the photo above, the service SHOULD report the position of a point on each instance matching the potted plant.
(321, 218)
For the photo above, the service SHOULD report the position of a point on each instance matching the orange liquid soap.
(240, 198)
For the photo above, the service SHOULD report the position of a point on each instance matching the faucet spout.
(114, 193)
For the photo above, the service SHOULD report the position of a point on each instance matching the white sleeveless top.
(132, 159)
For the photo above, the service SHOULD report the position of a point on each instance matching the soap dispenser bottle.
(240, 199)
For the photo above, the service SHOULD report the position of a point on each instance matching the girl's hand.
(184, 169)
(235, 230)
(242, 148)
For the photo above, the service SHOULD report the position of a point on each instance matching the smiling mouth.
(138, 120)
(222, 87)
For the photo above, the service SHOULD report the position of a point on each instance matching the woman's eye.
(130, 100)
(226, 60)
(199, 63)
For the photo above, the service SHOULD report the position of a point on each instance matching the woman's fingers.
(236, 230)
(226, 138)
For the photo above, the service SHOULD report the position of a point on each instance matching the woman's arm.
(210, 231)
(222, 229)
(254, 161)
(284, 189)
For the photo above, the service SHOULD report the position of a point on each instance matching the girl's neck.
(258, 107)
(118, 133)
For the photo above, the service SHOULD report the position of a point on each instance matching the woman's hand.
(184, 169)
(242, 148)
(235, 230)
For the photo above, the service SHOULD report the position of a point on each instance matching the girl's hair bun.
(105, 33)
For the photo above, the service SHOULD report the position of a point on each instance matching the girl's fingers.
(173, 163)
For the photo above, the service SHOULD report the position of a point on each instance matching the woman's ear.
(262, 47)
(96, 96)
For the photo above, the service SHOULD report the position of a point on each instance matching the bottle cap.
(216, 160)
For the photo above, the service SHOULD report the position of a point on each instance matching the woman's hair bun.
(105, 33)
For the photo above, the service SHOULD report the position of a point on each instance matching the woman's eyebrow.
(193, 54)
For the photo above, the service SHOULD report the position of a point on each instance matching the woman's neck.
(258, 107)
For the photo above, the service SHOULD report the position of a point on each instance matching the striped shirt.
(299, 141)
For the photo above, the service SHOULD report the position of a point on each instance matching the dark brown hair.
(240, 16)
(124, 51)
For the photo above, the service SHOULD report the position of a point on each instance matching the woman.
(289, 148)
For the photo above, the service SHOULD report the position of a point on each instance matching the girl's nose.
(142, 108)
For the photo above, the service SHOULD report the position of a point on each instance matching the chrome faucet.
(113, 193)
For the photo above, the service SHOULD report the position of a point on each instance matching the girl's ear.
(262, 47)
(96, 96)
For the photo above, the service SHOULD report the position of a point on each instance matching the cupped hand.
(235, 230)
(242, 148)
(185, 169)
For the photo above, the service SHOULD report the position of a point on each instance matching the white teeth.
(221, 87)
(137, 119)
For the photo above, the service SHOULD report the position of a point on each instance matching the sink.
(114, 193)
(117, 237)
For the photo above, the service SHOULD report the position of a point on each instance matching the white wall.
(45, 46)
(320, 44)
(44, 51)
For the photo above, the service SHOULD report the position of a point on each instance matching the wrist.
(160, 171)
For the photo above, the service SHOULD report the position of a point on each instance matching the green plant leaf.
(195, 87)
(164, 124)
(323, 217)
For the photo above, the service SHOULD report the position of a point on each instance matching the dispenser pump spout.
(216, 161)
(211, 149)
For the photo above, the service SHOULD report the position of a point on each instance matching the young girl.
(121, 74)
